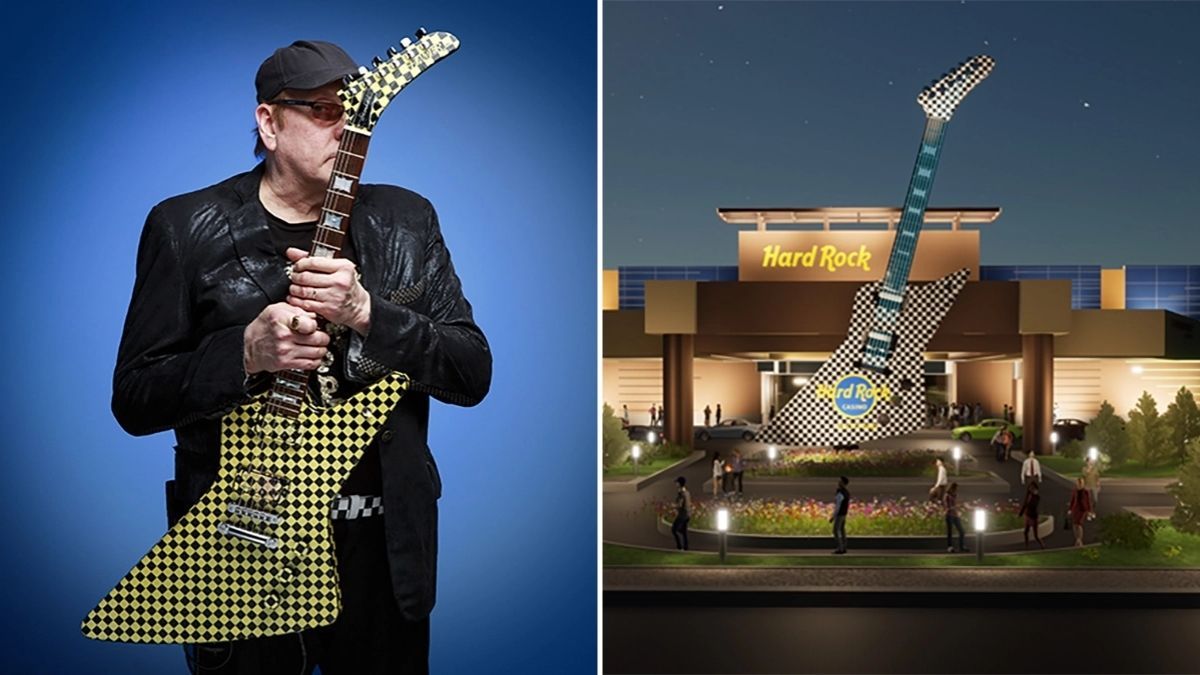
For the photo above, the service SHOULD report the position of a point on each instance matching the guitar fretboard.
(878, 347)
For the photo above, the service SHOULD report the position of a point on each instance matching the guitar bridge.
(253, 514)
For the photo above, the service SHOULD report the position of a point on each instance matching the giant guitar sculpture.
(254, 557)
(872, 386)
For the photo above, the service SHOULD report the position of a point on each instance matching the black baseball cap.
(304, 64)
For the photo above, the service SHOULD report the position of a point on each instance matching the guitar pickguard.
(874, 405)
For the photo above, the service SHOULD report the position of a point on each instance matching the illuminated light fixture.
(1137, 370)
(771, 453)
(798, 381)
(637, 451)
(651, 437)
(722, 520)
(1054, 437)
(957, 453)
(1094, 453)
(980, 520)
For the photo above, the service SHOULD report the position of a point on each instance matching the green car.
(984, 430)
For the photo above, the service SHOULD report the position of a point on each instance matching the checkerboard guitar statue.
(254, 557)
(873, 384)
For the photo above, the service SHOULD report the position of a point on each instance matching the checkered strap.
(357, 506)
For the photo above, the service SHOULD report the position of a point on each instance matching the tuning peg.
(375, 60)
(346, 80)
(362, 70)
(392, 52)
(421, 32)
(406, 43)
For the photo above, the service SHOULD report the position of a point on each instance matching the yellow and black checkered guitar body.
(254, 557)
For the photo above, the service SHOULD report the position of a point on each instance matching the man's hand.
(329, 287)
(283, 337)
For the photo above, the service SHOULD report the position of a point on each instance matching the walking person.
(1079, 508)
(1031, 470)
(953, 521)
(1091, 479)
(1029, 509)
(1009, 439)
(978, 413)
(683, 514)
(707, 416)
(841, 507)
(653, 414)
(938, 491)
(717, 472)
(998, 444)
(739, 468)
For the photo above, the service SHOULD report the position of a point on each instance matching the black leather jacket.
(206, 267)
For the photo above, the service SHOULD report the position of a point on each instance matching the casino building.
(1045, 340)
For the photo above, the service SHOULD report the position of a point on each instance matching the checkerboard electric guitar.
(872, 386)
(255, 556)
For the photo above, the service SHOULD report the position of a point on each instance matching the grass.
(644, 468)
(1171, 549)
(1072, 468)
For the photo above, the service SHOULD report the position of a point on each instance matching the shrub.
(1107, 432)
(1126, 530)
(1183, 422)
(1187, 492)
(1072, 449)
(616, 443)
(1148, 433)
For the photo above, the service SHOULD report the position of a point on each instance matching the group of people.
(950, 415)
(727, 474)
(708, 415)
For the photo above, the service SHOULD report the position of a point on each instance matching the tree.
(1148, 433)
(1107, 432)
(615, 441)
(1187, 492)
(1183, 420)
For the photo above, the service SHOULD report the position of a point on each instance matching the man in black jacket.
(217, 308)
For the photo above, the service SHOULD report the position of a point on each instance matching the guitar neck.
(877, 350)
(290, 387)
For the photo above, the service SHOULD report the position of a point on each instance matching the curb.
(636, 484)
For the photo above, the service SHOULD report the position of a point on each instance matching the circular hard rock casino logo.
(854, 396)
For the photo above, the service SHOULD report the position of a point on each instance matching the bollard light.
(1054, 438)
(637, 453)
(722, 527)
(651, 437)
(980, 526)
(1094, 453)
(771, 452)
(957, 453)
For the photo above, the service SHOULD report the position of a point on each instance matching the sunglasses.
(324, 111)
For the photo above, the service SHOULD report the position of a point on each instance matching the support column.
(678, 351)
(1037, 406)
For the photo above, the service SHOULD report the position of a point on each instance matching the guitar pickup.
(253, 514)
(261, 488)
(248, 535)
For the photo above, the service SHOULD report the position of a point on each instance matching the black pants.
(737, 480)
(370, 635)
(679, 531)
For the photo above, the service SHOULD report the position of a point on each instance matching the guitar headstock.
(943, 95)
(367, 93)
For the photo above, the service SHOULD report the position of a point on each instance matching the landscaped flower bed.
(861, 463)
(809, 517)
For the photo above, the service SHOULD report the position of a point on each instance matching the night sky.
(1087, 134)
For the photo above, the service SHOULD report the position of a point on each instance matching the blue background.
(111, 110)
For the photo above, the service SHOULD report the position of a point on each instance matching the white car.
(730, 428)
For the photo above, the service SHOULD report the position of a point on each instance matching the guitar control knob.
(421, 32)
(271, 600)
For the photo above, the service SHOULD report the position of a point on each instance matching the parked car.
(984, 430)
(1069, 428)
(642, 433)
(730, 428)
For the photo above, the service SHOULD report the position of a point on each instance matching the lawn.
(1072, 468)
(645, 468)
(1171, 549)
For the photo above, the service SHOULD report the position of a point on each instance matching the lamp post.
(771, 454)
(1094, 454)
(1053, 443)
(722, 528)
(651, 437)
(980, 526)
(637, 452)
(957, 454)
